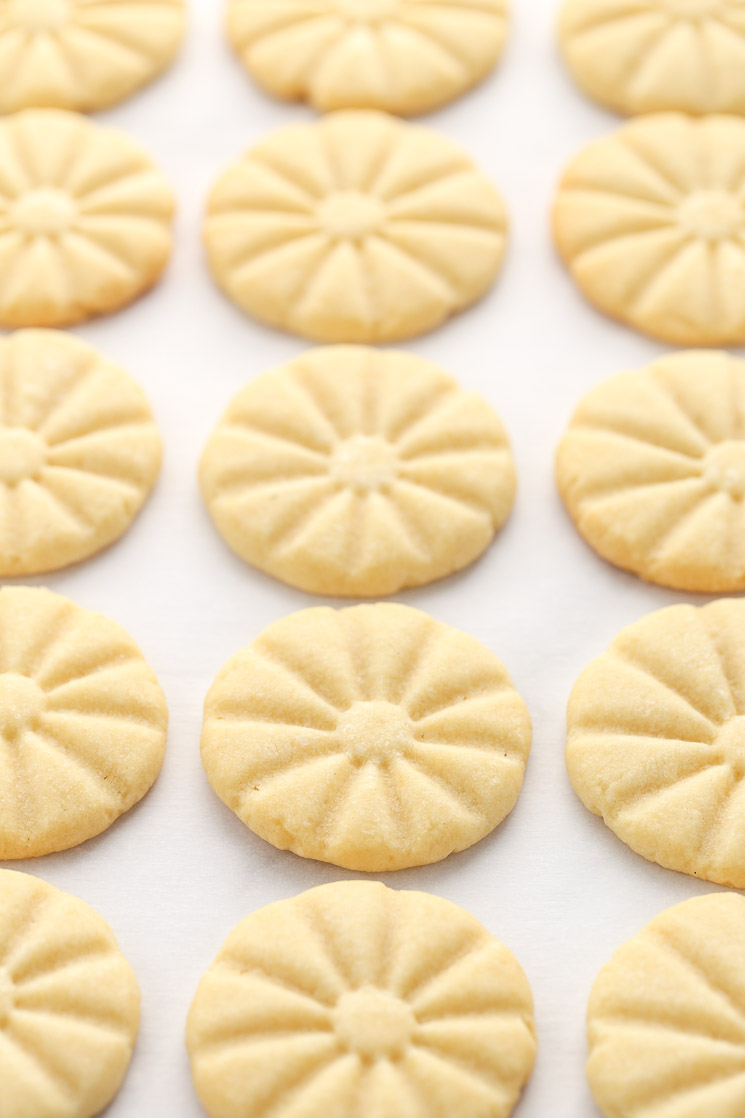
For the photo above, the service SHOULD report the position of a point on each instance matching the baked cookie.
(356, 472)
(82, 723)
(374, 737)
(656, 739)
(69, 1004)
(84, 219)
(403, 56)
(83, 54)
(651, 222)
(79, 451)
(666, 1020)
(652, 470)
(358, 1001)
(355, 228)
(648, 56)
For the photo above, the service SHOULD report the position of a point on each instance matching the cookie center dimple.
(374, 1024)
(365, 463)
(724, 468)
(375, 731)
(22, 703)
(22, 454)
(45, 212)
(730, 744)
(40, 15)
(367, 11)
(6, 997)
(351, 215)
(712, 215)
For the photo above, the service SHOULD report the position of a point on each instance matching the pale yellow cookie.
(355, 228)
(374, 737)
(356, 1001)
(666, 1019)
(69, 1004)
(83, 54)
(85, 219)
(651, 223)
(656, 739)
(648, 56)
(403, 56)
(82, 723)
(356, 472)
(79, 451)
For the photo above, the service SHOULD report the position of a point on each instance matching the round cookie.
(84, 219)
(373, 737)
(355, 228)
(666, 1019)
(656, 739)
(83, 54)
(651, 223)
(403, 56)
(355, 1000)
(652, 470)
(82, 723)
(79, 451)
(69, 1004)
(356, 472)
(648, 56)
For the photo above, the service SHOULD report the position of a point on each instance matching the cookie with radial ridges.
(355, 472)
(403, 56)
(355, 228)
(373, 737)
(82, 723)
(355, 1000)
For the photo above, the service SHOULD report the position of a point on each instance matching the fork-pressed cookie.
(355, 1000)
(85, 219)
(355, 228)
(69, 1004)
(403, 56)
(82, 723)
(372, 737)
(651, 223)
(357, 472)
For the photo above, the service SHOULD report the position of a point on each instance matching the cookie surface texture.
(403, 56)
(355, 228)
(373, 737)
(651, 223)
(84, 219)
(666, 1019)
(83, 54)
(357, 1001)
(656, 741)
(82, 723)
(356, 472)
(69, 1004)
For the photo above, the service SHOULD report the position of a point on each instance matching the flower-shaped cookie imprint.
(647, 56)
(356, 228)
(83, 54)
(82, 723)
(358, 1001)
(79, 451)
(69, 1004)
(404, 56)
(84, 219)
(651, 222)
(356, 472)
(372, 737)
(666, 1019)
(656, 739)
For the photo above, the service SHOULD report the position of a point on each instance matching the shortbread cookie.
(373, 737)
(69, 1004)
(82, 723)
(666, 1020)
(404, 56)
(357, 472)
(355, 228)
(84, 219)
(652, 470)
(648, 56)
(656, 741)
(79, 451)
(83, 54)
(651, 222)
(356, 1001)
